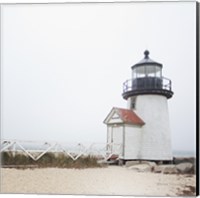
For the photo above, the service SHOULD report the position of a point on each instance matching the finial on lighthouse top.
(146, 61)
(146, 53)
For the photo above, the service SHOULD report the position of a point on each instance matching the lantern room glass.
(147, 71)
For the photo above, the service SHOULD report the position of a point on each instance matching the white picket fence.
(36, 149)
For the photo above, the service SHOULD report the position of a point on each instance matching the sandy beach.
(112, 180)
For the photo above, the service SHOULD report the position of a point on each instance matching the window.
(133, 103)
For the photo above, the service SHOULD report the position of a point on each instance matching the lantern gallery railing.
(36, 149)
(147, 83)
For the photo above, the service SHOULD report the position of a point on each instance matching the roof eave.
(136, 124)
(106, 119)
(146, 64)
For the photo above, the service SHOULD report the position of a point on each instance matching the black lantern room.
(147, 79)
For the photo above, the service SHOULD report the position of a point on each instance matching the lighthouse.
(142, 129)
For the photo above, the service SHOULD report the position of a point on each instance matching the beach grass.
(59, 160)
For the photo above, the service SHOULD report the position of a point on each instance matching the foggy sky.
(63, 66)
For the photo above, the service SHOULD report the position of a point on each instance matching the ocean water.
(184, 153)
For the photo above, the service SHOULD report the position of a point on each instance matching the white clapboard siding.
(155, 142)
(132, 142)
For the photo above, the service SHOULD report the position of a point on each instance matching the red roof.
(129, 116)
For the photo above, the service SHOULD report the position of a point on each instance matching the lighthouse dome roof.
(146, 61)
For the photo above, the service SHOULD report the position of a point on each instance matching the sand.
(112, 180)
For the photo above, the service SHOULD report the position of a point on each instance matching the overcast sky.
(63, 66)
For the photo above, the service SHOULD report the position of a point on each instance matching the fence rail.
(36, 150)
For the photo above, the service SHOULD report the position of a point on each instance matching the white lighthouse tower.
(143, 128)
